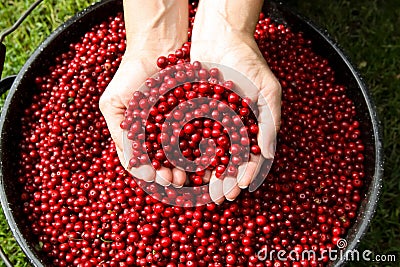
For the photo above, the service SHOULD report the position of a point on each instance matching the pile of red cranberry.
(187, 117)
(84, 209)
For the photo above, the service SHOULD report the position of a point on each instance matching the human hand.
(237, 49)
(115, 99)
(158, 29)
(133, 70)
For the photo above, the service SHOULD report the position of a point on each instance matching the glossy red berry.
(84, 209)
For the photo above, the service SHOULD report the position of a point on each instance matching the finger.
(258, 178)
(178, 177)
(164, 176)
(231, 188)
(125, 154)
(207, 177)
(144, 172)
(248, 170)
(114, 115)
(267, 134)
(216, 189)
(113, 105)
(121, 158)
(269, 106)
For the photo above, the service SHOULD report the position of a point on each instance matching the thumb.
(113, 110)
(269, 106)
(129, 77)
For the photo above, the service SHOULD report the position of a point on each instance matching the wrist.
(226, 19)
(221, 49)
(151, 47)
(157, 25)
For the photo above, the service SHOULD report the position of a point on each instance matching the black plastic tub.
(21, 91)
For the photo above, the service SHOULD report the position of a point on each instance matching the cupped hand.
(131, 74)
(134, 69)
(241, 53)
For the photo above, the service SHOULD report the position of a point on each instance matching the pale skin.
(223, 34)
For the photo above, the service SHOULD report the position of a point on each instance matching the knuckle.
(103, 101)
(106, 100)
(276, 86)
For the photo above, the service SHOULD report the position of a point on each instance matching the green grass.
(368, 31)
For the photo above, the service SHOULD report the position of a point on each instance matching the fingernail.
(230, 199)
(162, 182)
(219, 200)
(243, 186)
(177, 186)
